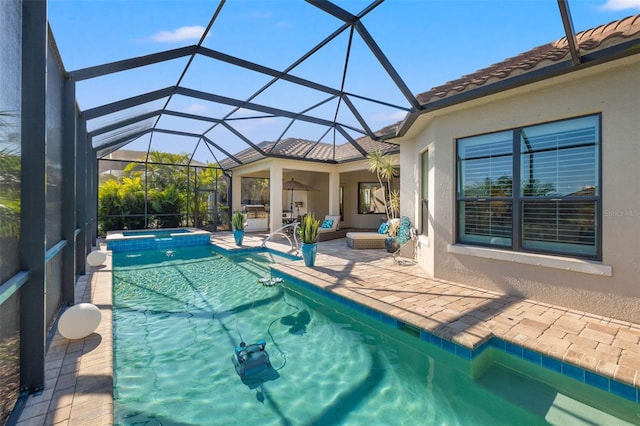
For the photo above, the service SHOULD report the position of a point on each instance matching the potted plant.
(308, 233)
(238, 222)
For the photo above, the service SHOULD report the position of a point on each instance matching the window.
(424, 189)
(254, 191)
(371, 197)
(532, 189)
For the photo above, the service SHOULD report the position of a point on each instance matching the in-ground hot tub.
(150, 239)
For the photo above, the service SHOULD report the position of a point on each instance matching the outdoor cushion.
(383, 228)
(327, 223)
(365, 240)
(332, 221)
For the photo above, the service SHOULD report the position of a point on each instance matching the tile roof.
(301, 149)
(589, 41)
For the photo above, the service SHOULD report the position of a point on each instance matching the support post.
(81, 196)
(275, 194)
(69, 193)
(334, 193)
(34, 195)
(236, 201)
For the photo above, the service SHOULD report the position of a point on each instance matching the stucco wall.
(610, 287)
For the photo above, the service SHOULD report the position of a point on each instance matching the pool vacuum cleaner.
(250, 360)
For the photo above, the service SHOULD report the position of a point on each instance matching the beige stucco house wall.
(609, 287)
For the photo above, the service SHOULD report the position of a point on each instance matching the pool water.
(179, 314)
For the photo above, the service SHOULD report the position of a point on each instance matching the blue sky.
(428, 43)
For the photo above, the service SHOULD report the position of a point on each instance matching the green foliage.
(163, 169)
(121, 205)
(308, 229)
(167, 206)
(10, 170)
(9, 193)
(204, 182)
(165, 194)
(381, 165)
(238, 221)
(109, 210)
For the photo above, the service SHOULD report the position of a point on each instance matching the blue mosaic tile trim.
(570, 370)
(222, 250)
(577, 373)
(161, 243)
(382, 317)
(452, 347)
(242, 250)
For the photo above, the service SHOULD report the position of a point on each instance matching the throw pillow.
(404, 230)
(383, 228)
(327, 223)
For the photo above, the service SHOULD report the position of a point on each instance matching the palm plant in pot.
(308, 233)
(238, 222)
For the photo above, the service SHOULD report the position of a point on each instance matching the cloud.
(385, 118)
(621, 4)
(179, 34)
(196, 108)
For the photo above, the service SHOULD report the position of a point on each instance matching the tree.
(163, 196)
(121, 205)
(167, 206)
(381, 165)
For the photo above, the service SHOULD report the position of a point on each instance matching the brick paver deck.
(79, 374)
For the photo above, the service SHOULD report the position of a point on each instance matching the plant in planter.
(308, 233)
(238, 223)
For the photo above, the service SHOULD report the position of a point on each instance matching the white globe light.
(96, 258)
(79, 321)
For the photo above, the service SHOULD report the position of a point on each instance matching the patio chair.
(413, 240)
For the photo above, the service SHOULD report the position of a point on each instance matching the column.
(33, 330)
(334, 193)
(275, 195)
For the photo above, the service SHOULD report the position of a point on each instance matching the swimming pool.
(179, 314)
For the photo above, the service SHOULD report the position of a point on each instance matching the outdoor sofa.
(329, 228)
(366, 240)
(390, 236)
